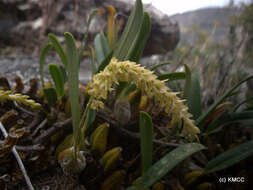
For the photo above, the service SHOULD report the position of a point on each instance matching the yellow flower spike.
(19, 98)
(148, 83)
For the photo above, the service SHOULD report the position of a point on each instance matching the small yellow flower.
(148, 83)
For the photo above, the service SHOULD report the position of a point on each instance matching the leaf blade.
(167, 163)
(101, 47)
(123, 47)
(194, 96)
(58, 48)
(73, 79)
(172, 76)
(50, 95)
(43, 55)
(58, 79)
(147, 135)
(230, 157)
(141, 40)
(205, 114)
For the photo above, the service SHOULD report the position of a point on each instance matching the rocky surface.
(27, 21)
(28, 68)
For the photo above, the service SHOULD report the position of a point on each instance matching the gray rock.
(66, 15)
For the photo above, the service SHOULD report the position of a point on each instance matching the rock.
(27, 68)
(40, 17)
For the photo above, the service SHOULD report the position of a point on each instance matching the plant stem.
(82, 124)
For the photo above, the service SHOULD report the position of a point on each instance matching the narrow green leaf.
(92, 61)
(229, 118)
(64, 73)
(126, 42)
(91, 116)
(205, 114)
(87, 119)
(234, 109)
(57, 76)
(230, 157)
(101, 47)
(50, 95)
(194, 97)
(188, 81)
(105, 62)
(43, 55)
(84, 41)
(172, 76)
(92, 15)
(167, 163)
(140, 42)
(147, 135)
(73, 79)
(58, 48)
(154, 67)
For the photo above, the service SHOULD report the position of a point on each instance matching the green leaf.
(50, 95)
(91, 116)
(141, 41)
(147, 135)
(92, 61)
(241, 103)
(105, 62)
(154, 67)
(84, 41)
(167, 163)
(205, 114)
(57, 76)
(88, 118)
(188, 81)
(92, 15)
(194, 96)
(230, 157)
(229, 118)
(172, 76)
(73, 73)
(127, 41)
(101, 47)
(64, 73)
(58, 49)
(43, 55)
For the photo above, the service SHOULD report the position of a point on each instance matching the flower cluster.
(148, 83)
(19, 98)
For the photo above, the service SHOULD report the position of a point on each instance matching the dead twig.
(41, 125)
(34, 122)
(52, 130)
(28, 148)
(20, 163)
